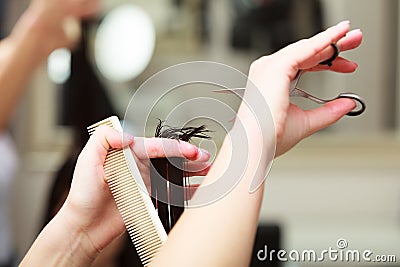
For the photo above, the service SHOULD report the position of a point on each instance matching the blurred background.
(343, 182)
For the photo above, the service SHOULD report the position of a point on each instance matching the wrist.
(60, 244)
(78, 245)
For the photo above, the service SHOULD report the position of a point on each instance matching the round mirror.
(124, 43)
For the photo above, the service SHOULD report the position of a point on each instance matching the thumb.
(328, 114)
(103, 139)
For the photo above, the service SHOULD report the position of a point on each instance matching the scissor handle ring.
(333, 57)
(358, 99)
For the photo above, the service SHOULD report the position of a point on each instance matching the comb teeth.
(134, 205)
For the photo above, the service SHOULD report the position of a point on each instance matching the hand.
(89, 206)
(272, 75)
(56, 22)
(146, 148)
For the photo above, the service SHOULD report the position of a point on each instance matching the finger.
(82, 8)
(308, 53)
(202, 156)
(328, 114)
(352, 40)
(91, 9)
(340, 64)
(104, 138)
(197, 168)
(111, 138)
(145, 148)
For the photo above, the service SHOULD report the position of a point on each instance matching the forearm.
(60, 244)
(20, 54)
(222, 233)
(37, 33)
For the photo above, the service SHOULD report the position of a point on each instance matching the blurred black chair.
(268, 236)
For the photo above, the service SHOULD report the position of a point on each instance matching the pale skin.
(41, 29)
(220, 244)
(85, 205)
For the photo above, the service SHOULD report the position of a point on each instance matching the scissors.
(297, 92)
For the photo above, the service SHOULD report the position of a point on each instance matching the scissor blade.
(237, 91)
(240, 91)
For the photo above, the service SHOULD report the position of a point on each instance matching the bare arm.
(222, 233)
(41, 29)
(89, 218)
(20, 53)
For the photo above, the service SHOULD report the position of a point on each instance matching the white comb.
(134, 204)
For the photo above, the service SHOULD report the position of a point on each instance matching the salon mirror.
(124, 43)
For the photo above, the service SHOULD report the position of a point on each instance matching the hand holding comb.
(133, 202)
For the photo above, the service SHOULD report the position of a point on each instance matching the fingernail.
(188, 150)
(186, 145)
(344, 22)
(203, 151)
(343, 106)
(355, 31)
(351, 105)
(128, 138)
